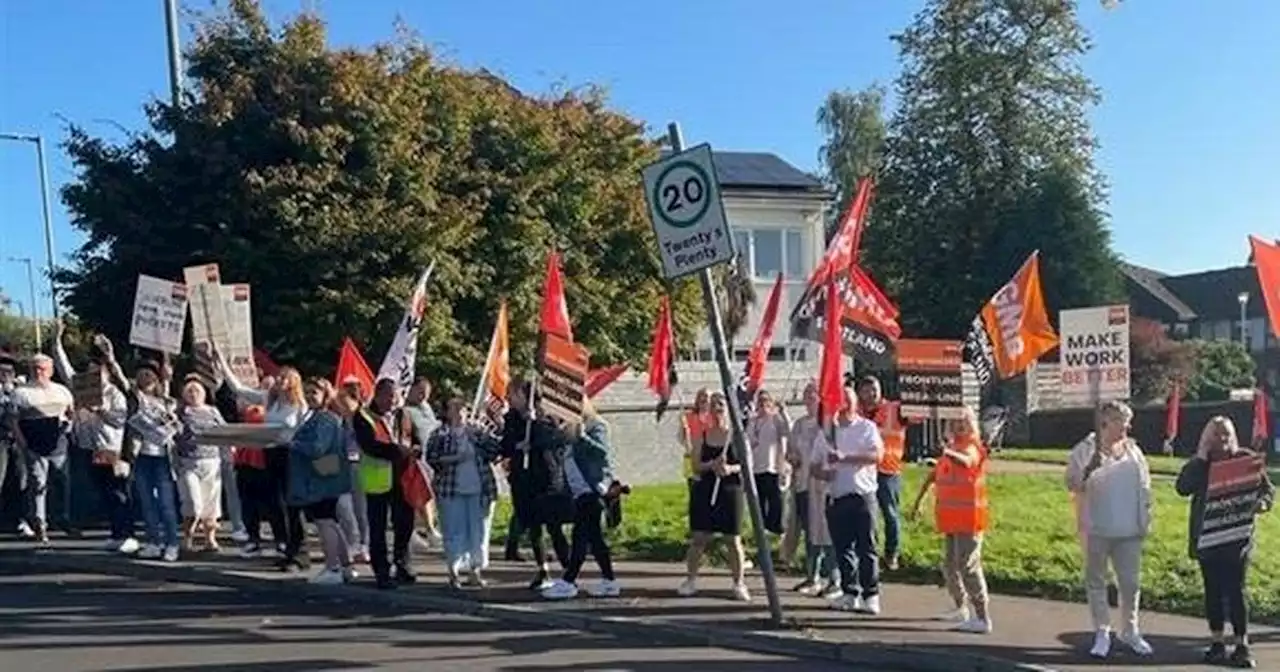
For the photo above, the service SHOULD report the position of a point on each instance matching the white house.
(778, 214)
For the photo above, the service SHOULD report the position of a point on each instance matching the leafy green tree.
(330, 178)
(853, 124)
(988, 156)
(1220, 366)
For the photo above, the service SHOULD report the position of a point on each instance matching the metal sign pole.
(730, 385)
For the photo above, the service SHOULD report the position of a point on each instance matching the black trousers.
(259, 503)
(1225, 577)
(851, 519)
(117, 502)
(588, 536)
(525, 521)
(295, 535)
(770, 493)
(13, 462)
(389, 506)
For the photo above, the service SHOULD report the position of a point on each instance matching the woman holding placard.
(715, 503)
(1221, 472)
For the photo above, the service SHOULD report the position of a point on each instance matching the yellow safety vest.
(376, 474)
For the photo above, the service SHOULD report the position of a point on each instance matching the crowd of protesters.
(349, 459)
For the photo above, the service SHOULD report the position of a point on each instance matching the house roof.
(1207, 295)
(762, 171)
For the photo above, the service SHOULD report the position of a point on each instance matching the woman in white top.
(767, 435)
(1108, 474)
(285, 404)
(810, 486)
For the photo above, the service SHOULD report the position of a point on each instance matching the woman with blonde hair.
(199, 468)
(1224, 554)
(961, 515)
(285, 404)
(715, 505)
(1109, 474)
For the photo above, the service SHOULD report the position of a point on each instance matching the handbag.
(415, 486)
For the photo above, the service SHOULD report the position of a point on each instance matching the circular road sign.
(682, 194)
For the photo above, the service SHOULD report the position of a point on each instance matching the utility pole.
(175, 52)
(31, 287)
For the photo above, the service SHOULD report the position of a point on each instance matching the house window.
(770, 251)
(1181, 330)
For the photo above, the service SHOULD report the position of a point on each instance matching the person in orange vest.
(873, 406)
(961, 514)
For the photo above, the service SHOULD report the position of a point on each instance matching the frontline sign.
(1093, 355)
(686, 212)
(931, 378)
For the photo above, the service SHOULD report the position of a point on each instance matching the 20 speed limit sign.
(687, 214)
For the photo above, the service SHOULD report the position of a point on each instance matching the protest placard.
(1232, 500)
(159, 315)
(239, 352)
(930, 378)
(562, 378)
(208, 312)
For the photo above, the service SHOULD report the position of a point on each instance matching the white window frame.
(789, 274)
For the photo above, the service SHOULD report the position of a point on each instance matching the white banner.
(399, 364)
(208, 314)
(236, 301)
(159, 315)
(1094, 355)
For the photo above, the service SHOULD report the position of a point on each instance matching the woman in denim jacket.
(319, 474)
(589, 474)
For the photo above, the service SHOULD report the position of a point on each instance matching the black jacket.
(398, 455)
(544, 474)
(1193, 481)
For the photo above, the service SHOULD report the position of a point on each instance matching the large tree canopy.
(329, 179)
(988, 156)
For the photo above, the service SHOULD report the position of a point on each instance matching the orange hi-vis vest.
(889, 419)
(695, 426)
(961, 494)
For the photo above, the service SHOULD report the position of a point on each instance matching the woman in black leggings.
(1223, 547)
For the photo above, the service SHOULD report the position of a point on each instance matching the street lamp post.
(31, 287)
(47, 208)
(1243, 299)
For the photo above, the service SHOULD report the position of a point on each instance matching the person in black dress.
(715, 500)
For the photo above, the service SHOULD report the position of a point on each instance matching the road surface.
(60, 622)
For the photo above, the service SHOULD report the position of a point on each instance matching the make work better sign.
(686, 211)
(1094, 355)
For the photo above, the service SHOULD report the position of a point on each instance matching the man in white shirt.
(42, 413)
(849, 461)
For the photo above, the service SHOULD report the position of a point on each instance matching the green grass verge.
(1032, 549)
(1160, 464)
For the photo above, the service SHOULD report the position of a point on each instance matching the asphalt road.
(58, 622)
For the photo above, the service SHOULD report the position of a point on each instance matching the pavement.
(89, 621)
(1030, 634)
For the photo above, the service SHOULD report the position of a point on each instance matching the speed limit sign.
(687, 214)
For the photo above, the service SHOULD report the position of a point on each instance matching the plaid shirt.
(443, 443)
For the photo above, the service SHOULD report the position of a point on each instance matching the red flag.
(1173, 412)
(842, 252)
(1266, 259)
(351, 364)
(1261, 418)
(662, 364)
(555, 311)
(598, 379)
(264, 363)
(764, 340)
(831, 378)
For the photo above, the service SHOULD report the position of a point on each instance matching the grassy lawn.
(1160, 464)
(1032, 549)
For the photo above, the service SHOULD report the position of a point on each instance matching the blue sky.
(1190, 141)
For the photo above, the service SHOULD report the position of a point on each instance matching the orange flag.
(1266, 258)
(491, 396)
(1012, 330)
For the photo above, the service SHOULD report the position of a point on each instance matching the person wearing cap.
(11, 456)
(100, 429)
(42, 412)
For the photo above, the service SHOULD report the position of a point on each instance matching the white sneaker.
(1101, 644)
(687, 588)
(239, 536)
(832, 592)
(111, 545)
(128, 546)
(976, 626)
(435, 539)
(327, 577)
(606, 588)
(871, 606)
(150, 552)
(813, 590)
(171, 553)
(958, 615)
(350, 574)
(740, 592)
(561, 590)
(25, 531)
(418, 544)
(1137, 644)
(847, 603)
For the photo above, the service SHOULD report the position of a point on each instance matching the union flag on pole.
(491, 395)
